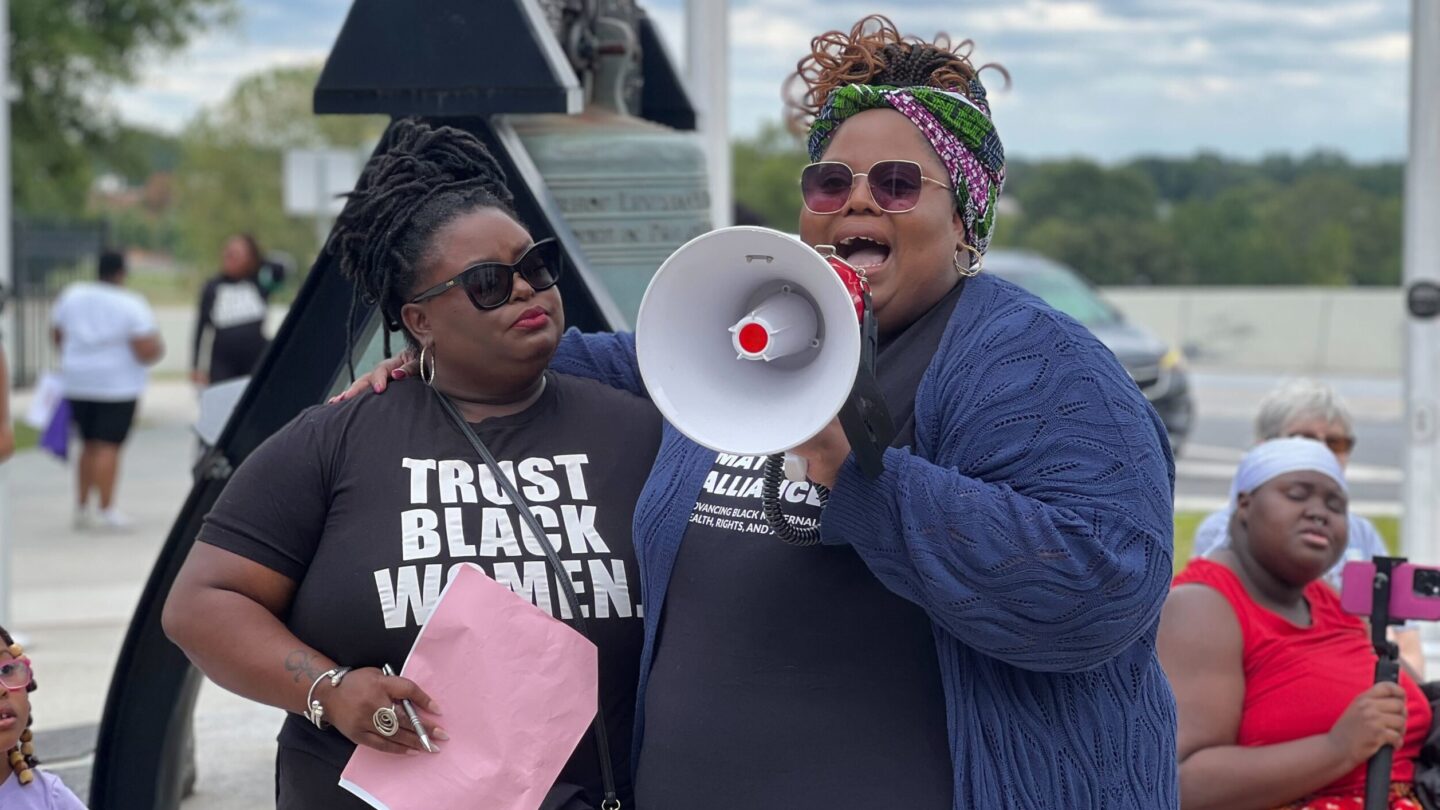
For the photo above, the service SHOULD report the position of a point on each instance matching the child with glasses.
(24, 787)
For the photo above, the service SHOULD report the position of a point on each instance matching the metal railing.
(48, 255)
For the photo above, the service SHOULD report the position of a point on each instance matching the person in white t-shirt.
(107, 338)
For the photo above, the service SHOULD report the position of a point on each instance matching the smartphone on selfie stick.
(1389, 591)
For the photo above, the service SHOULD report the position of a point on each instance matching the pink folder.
(518, 690)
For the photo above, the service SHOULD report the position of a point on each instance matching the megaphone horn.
(750, 342)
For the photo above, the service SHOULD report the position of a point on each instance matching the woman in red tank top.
(1274, 683)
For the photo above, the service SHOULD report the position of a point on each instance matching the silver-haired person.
(1312, 410)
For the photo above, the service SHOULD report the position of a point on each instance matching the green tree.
(1108, 250)
(1202, 177)
(766, 174)
(1104, 222)
(1081, 190)
(64, 55)
(1311, 223)
(138, 154)
(1379, 234)
(1223, 240)
(229, 176)
(1206, 219)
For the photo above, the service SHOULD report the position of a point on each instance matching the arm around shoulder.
(605, 356)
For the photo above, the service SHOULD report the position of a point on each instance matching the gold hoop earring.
(430, 378)
(964, 267)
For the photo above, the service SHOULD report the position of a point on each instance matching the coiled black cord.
(770, 503)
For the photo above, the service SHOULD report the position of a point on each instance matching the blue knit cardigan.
(1032, 521)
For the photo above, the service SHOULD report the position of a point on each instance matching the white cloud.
(1306, 14)
(1299, 78)
(1107, 78)
(1197, 88)
(171, 90)
(1060, 18)
(762, 30)
(670, 22)
(1391, 48)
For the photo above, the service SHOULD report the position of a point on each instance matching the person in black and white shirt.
(230, 330)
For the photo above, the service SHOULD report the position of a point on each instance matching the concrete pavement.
(73, 592)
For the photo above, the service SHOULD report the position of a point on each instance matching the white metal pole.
(707, 71)
(7, 278)
(1421, 524)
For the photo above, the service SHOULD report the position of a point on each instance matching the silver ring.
(386, 721)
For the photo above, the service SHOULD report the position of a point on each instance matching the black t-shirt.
(791, 677)
(230, 334)
(367, 506)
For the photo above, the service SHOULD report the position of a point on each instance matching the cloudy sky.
(1103, 78)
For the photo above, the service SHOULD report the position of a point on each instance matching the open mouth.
(863, 251)
(8, 715)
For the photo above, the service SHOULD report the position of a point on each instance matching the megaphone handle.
(797, 469)
(865, 415)
(775, 472)
(865, 441)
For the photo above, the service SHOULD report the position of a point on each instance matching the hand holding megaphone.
(751, 342)
(820, 458)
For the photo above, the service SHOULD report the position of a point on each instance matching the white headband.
(1272, 459)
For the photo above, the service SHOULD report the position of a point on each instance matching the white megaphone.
(750, 342)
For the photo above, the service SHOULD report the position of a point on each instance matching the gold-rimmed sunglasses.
(895, 185)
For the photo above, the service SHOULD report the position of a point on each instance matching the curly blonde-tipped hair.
(875, 52)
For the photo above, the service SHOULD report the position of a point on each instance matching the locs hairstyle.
(420, 179)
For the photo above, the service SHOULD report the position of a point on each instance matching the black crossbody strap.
(602, 737)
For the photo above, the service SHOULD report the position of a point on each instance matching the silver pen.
(412, 714)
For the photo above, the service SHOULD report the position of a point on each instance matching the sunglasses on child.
(15, 673)
(895, 185)
(489, 284)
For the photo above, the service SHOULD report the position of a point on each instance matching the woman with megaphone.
(977, 627)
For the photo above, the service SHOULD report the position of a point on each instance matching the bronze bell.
(632, 190)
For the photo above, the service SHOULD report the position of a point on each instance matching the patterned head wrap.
(958, 127)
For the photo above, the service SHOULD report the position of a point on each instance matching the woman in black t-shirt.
(230, 324)
(330, 545)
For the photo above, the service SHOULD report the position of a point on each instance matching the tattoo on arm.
(302, 663)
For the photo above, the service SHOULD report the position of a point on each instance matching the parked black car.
(1158, 369)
